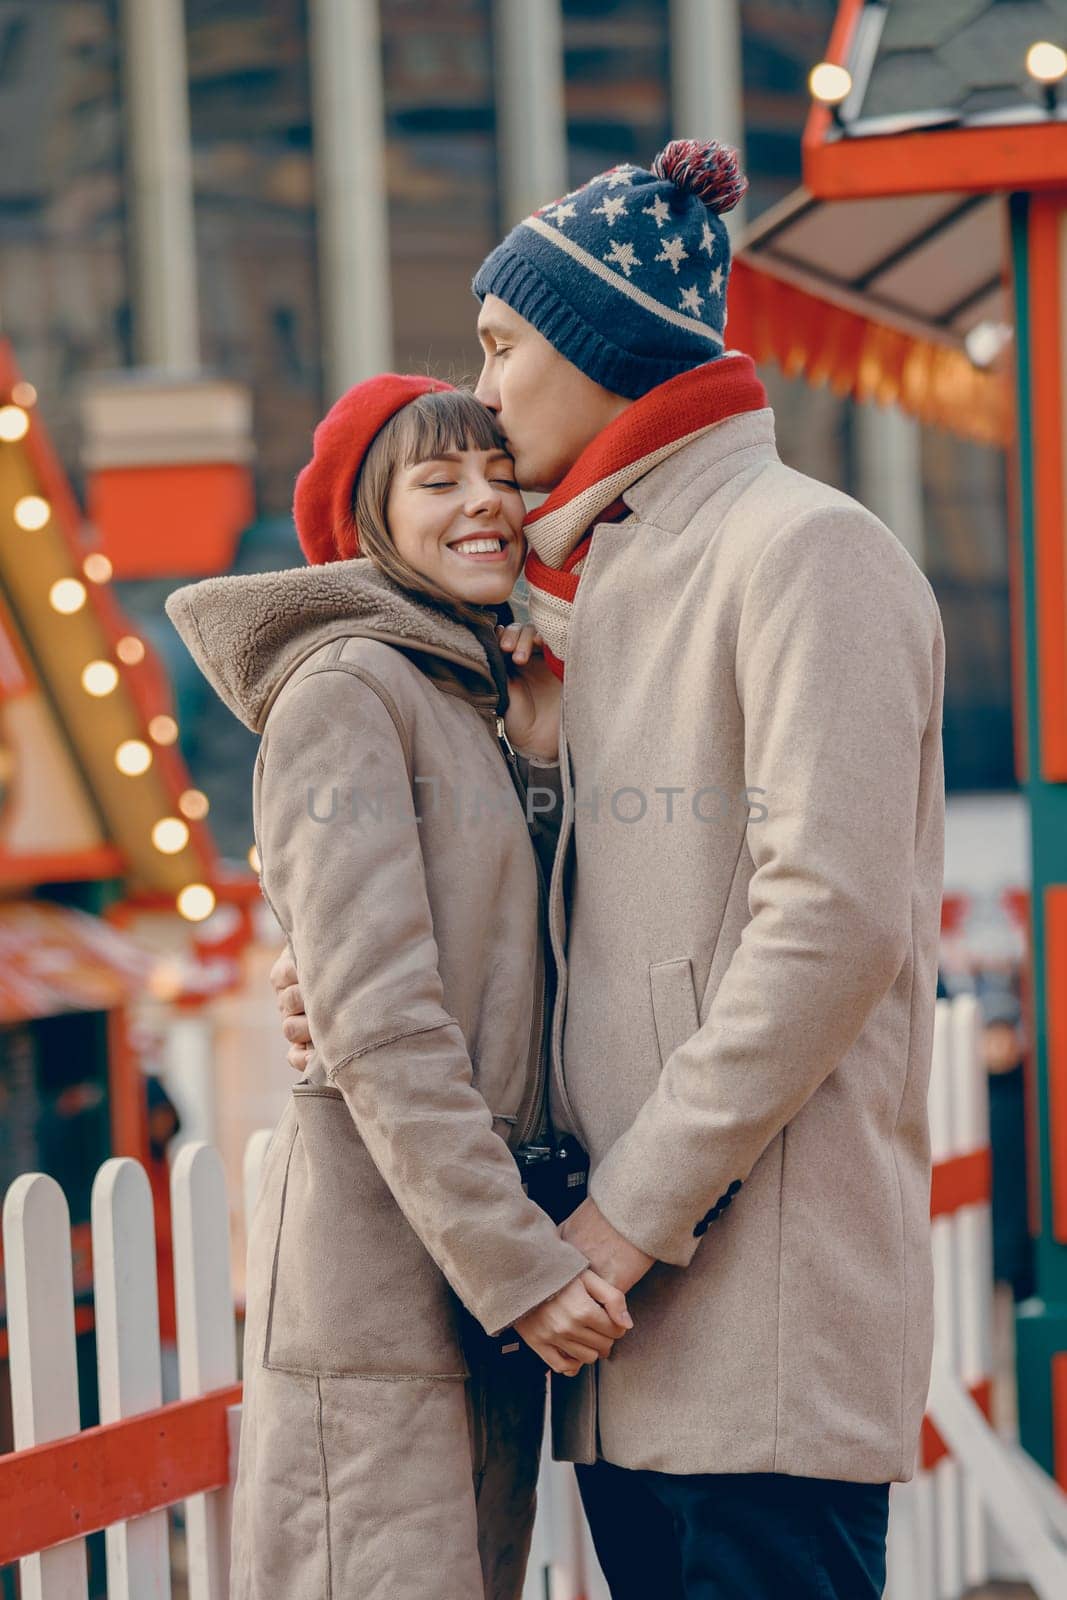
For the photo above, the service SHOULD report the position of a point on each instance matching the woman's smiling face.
(457, 519)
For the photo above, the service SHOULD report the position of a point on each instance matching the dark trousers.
(735, 1536)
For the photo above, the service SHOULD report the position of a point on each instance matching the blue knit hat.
(627, 275)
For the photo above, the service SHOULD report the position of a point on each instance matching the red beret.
(322, 502)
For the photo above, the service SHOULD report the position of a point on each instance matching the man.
(744, 908)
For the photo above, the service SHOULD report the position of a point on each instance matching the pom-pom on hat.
(627, 275)
(323, 499)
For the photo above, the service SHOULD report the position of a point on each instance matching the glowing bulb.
(1046, 62)
(829, 84)
(166, 980)
(196, 902)
(253, 860)
(98, 568)
(14, 424)
(163, 730)
(130, 650)
(193, 803)
(24, 394)
(67, 596)
(32, 513)
(100, 678)
(170, 835)
(133, 757)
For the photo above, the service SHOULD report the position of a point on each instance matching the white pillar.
(155, 83)
(706, 100)
(348, 125)
(531, 122)
(889, 472)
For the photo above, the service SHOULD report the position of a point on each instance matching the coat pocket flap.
(674, 1004)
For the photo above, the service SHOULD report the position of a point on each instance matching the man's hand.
(609, 1254)
(578, 1325)
(283, 976)
(532, 718)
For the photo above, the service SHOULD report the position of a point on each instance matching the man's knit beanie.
(627, 275)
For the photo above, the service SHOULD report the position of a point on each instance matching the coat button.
(734, 1187)
(701, 1228)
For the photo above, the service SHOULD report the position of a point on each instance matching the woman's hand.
(578, 1325)
(532, 718)
(286, 985)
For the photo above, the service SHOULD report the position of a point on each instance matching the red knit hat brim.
(323, 498)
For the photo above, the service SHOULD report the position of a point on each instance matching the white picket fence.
(145, 1456)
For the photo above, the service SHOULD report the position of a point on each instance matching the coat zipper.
(535, 1062)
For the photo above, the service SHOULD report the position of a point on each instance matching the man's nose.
(486, 390)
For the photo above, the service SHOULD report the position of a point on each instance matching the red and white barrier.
(61, 1484)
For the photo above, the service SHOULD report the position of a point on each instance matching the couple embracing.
(646, 888)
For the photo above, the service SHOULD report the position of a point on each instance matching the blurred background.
(216, 215)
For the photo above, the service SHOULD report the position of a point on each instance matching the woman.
(385, 1453)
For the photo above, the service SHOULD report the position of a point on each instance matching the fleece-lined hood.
(247, 634)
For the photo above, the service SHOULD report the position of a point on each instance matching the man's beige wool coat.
(746, 908)
(371, 1466)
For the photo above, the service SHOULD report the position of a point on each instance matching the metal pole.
(889, 448)
(161, 176)
(353, 217)
(532, 131)
(706, 101)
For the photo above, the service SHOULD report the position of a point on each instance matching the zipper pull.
(504, 740)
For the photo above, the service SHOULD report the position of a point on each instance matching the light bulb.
(100, 678)
(195, 902)
(133, 757)
(67, 596)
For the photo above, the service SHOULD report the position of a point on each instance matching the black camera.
(556, 1178)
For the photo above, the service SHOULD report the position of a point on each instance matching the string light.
(193, 803)
(67, 596)
(195, 902)
(254, 862)
(100, 678)
(830, 84)
(32, 513)
(130, 650)
(1046, 62)
(170, 835)
(98, 568)
(24, 394)
(133, 757)
(1047, 65)
(14, 424)
(163, 730)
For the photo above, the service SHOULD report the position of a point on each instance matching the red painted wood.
(1046, 366)
(932, 1448)
(960, 1181)
(1059, 1417)
(1056, 1020)
(105, 1475)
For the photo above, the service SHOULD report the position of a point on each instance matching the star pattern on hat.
(708, 240)
(715, 282)
(616, 177)
(611, 207)
(561, 213)
(658, 209)
(692, 300)
(675, 252)
(622, 255)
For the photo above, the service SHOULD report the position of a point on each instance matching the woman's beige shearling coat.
(375, 1464)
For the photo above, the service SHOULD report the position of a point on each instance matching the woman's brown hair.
(445, 419)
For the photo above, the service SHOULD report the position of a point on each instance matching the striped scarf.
(560, 532)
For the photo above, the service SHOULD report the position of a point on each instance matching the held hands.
(578, 1325)
(290, 1001)
(620, 1262)
(534, 691)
